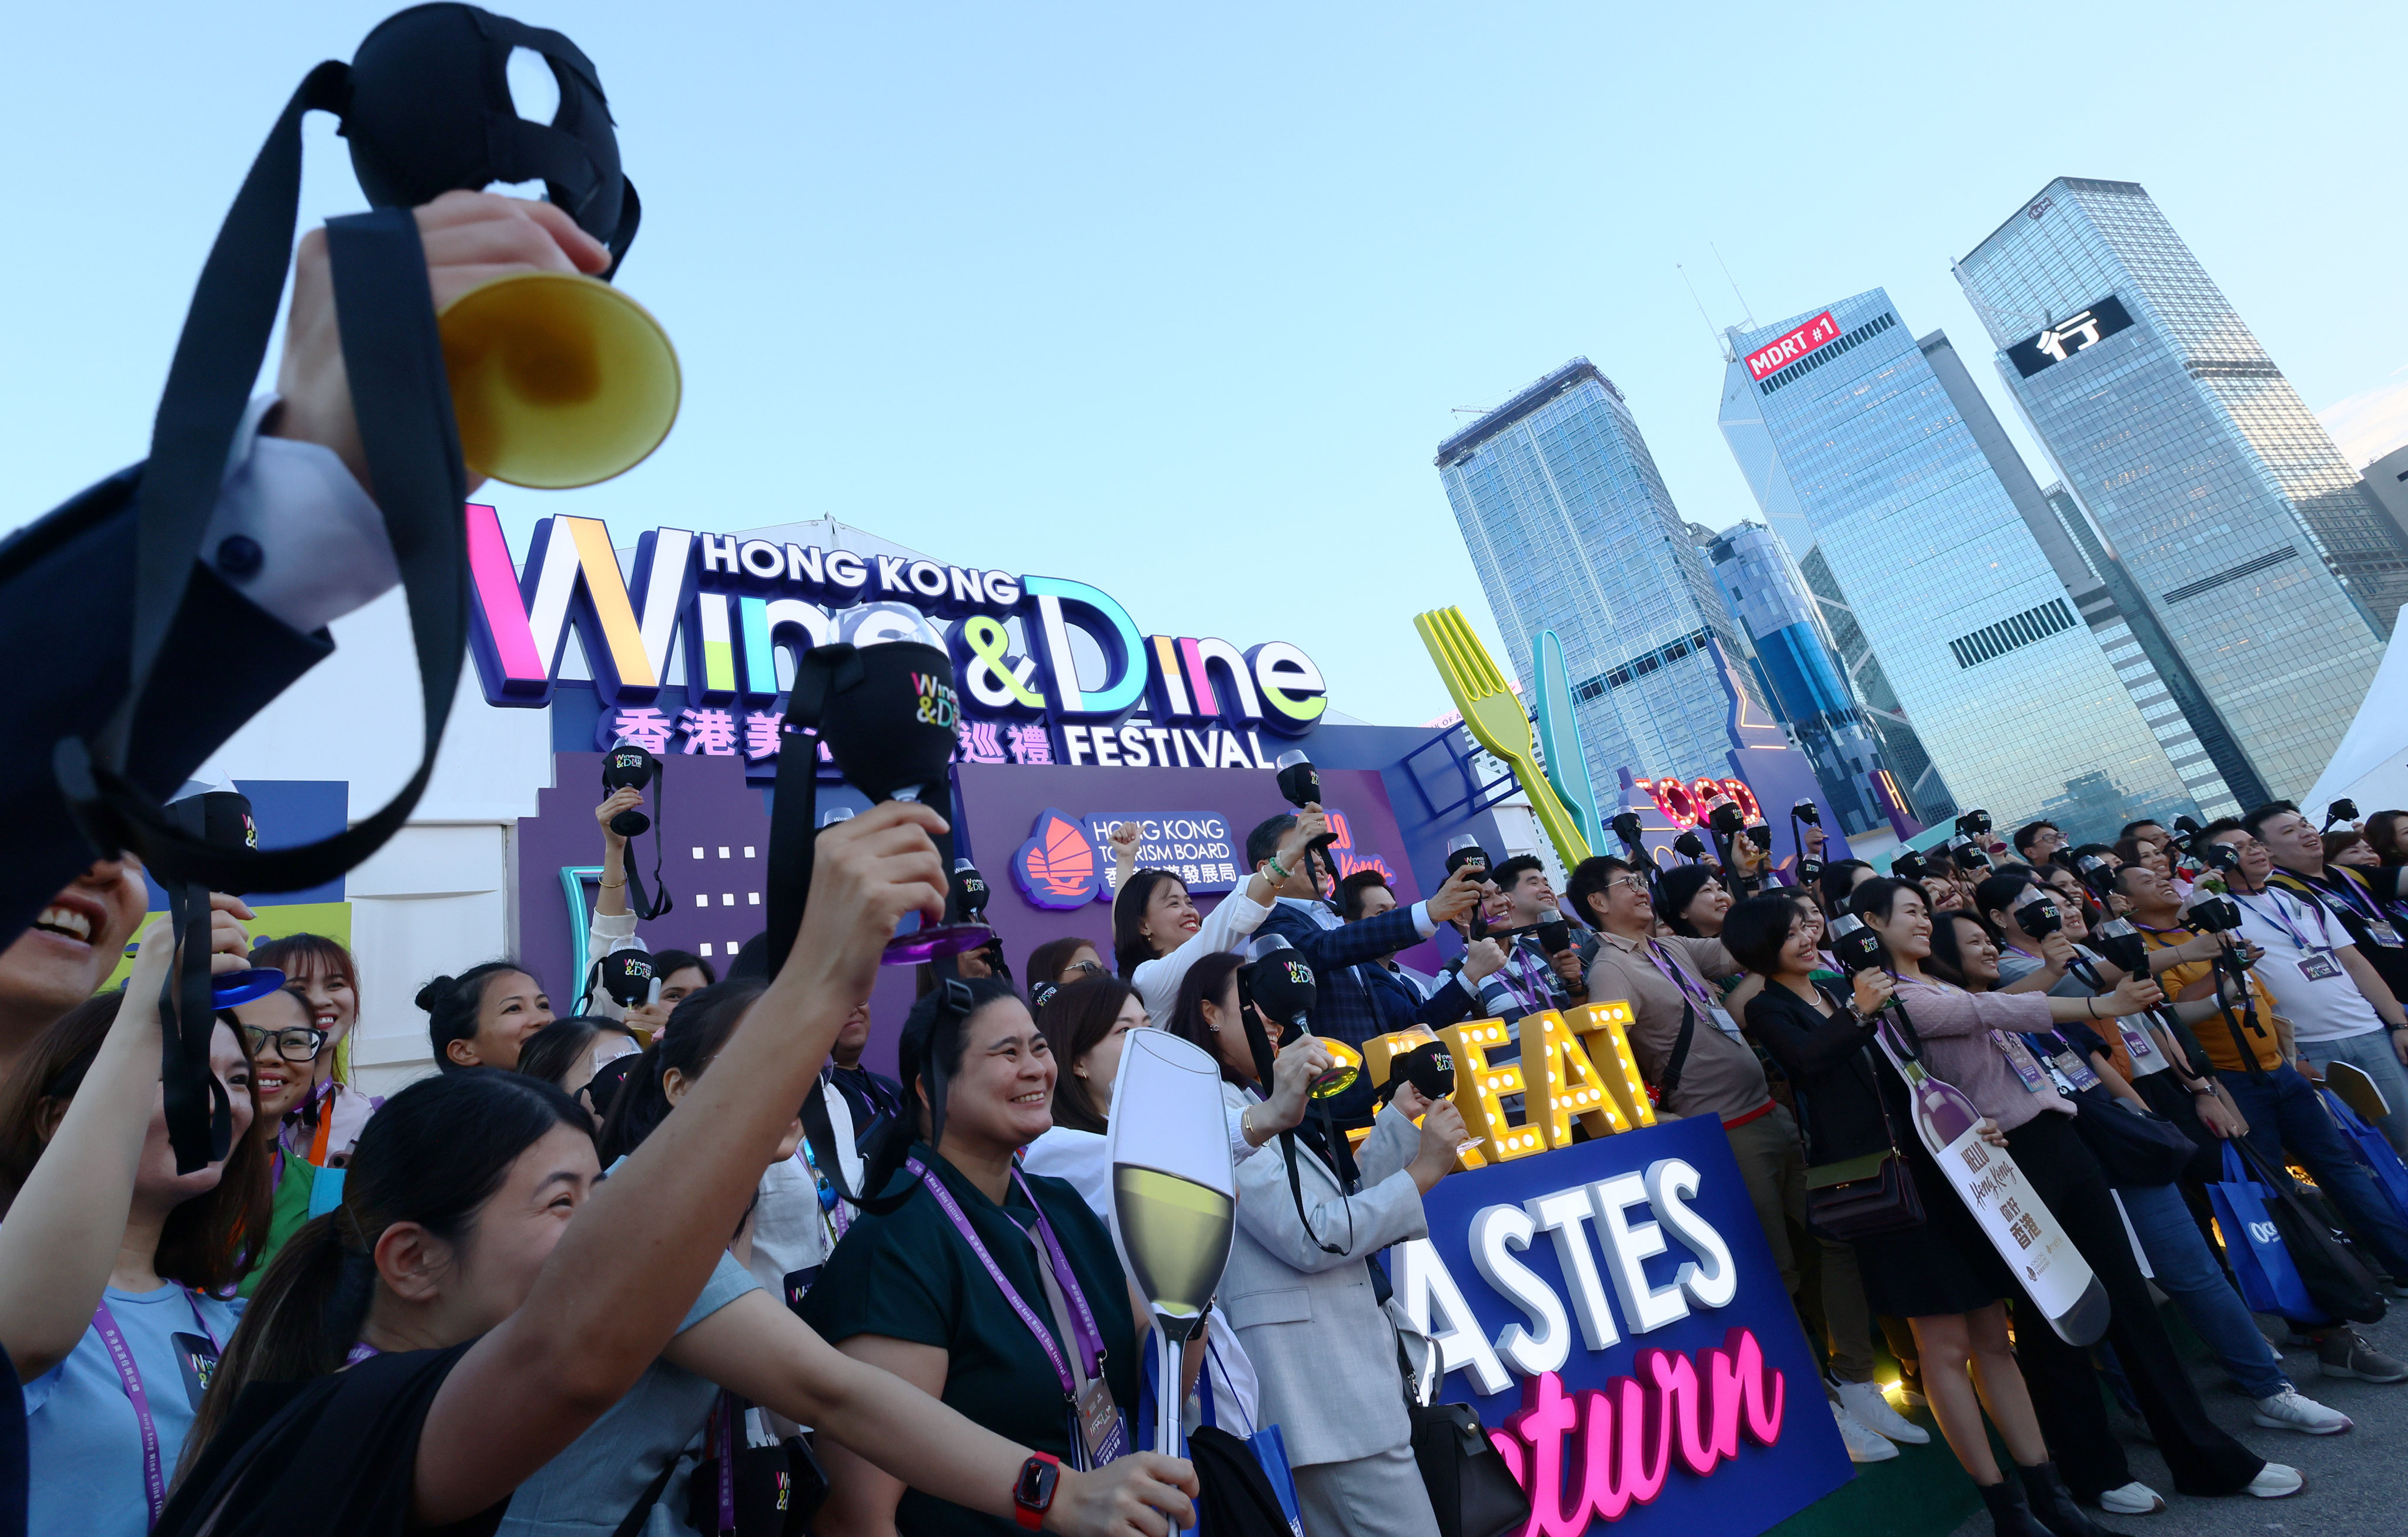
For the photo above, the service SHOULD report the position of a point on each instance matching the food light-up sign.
(738, 603)
(1686, 804)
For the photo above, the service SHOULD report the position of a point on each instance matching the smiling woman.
(940, 1290)
(280, 1033)
(68, 952)
(482, 1016)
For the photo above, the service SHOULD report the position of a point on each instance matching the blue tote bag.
(2253, 1246)
(2373, 1150)
(1269, 1448)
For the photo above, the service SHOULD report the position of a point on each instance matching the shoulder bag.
(1471, 1490)
(1866, 1195)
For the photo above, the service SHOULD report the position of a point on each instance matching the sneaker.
(2288, 1410)
(1863, 1446)
(2137, 1499)
(2276, 1481)
(2345, 1353)
(1865, 1404)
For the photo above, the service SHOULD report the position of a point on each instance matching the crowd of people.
(371, 1313)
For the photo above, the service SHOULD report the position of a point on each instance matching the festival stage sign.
(728, 606)
(1613, 1311)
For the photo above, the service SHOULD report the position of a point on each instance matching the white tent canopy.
(2371, 765)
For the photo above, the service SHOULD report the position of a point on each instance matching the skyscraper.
(1797, 663)
(1571, 529)
(2191, 464)
(1949, 562)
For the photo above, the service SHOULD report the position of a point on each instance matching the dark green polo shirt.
(909, 1276)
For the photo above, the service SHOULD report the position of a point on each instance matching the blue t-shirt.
(590, 1486)
(85, 1444)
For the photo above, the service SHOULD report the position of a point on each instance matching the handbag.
(1471, 1490)
(2136, 1147)
(1862, 1197)
(774, 1491)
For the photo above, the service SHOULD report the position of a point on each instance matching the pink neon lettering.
(1671, 1405)
(1199, 681)
(497, 598)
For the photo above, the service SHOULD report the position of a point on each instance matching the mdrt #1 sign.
(1613, 1311)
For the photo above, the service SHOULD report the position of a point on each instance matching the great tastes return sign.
(1783, 350)
(1613, 1311)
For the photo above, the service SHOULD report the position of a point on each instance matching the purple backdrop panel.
(713, 845)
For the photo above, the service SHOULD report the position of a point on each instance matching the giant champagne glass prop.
(2010, 1213)
(891, 719)
(1174, 1195)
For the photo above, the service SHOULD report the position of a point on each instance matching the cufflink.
(239, 556)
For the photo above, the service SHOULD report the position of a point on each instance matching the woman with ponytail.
(417, 1353)
(482, 1017)
(113, 1264)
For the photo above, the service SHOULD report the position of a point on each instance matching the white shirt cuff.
(1422, 922)
(292, 531)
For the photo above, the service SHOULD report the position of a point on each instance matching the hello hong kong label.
(1613, 1313)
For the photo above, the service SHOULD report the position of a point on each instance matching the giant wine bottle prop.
(2009, 1211)
(1174, 1195)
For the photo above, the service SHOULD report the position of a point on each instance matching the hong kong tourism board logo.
(1058, 867)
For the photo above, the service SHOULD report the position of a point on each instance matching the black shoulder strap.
(402, 398)
(639, 1512)
(1680, 1057)
(884, 1144)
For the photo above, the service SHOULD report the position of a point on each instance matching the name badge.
(1724, 1023)
(2143, 1052)
(2319, 966)
(2018, 1058)
(2383, 935)
(1101, 1429)
(198, 1360)
(2074, 1070)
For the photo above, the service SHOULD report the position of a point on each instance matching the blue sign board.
(1613, 1311)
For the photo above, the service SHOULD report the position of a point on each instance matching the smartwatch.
(1032, 1492)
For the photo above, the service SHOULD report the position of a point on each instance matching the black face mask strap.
(402, 400)
(200, 1118)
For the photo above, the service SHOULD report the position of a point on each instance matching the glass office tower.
(1797, 663)
(2273, 576)
(1990, 642)
(1571, 529)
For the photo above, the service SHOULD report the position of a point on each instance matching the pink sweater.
(1958, 1046)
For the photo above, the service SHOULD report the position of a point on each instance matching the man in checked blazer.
(1314, 1329)
(1343, 1006)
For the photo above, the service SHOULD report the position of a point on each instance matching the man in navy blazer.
(294, 543)
(1343, 1006)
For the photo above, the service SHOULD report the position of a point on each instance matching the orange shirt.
(2212, 1033)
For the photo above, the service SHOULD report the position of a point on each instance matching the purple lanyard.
(2282, 921)
(725, 1415)
(359, 1353)
(1090, 1342)
(129, 1375)
(2349, 895)
(1695, 992)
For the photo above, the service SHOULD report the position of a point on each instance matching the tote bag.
(2390, 1175)
(2253, 1246)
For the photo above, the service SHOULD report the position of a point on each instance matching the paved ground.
(2357, 1481)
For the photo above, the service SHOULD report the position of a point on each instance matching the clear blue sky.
(1178, 300)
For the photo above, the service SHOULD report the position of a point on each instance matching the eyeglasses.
(300, 1043)
(1633, 882)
